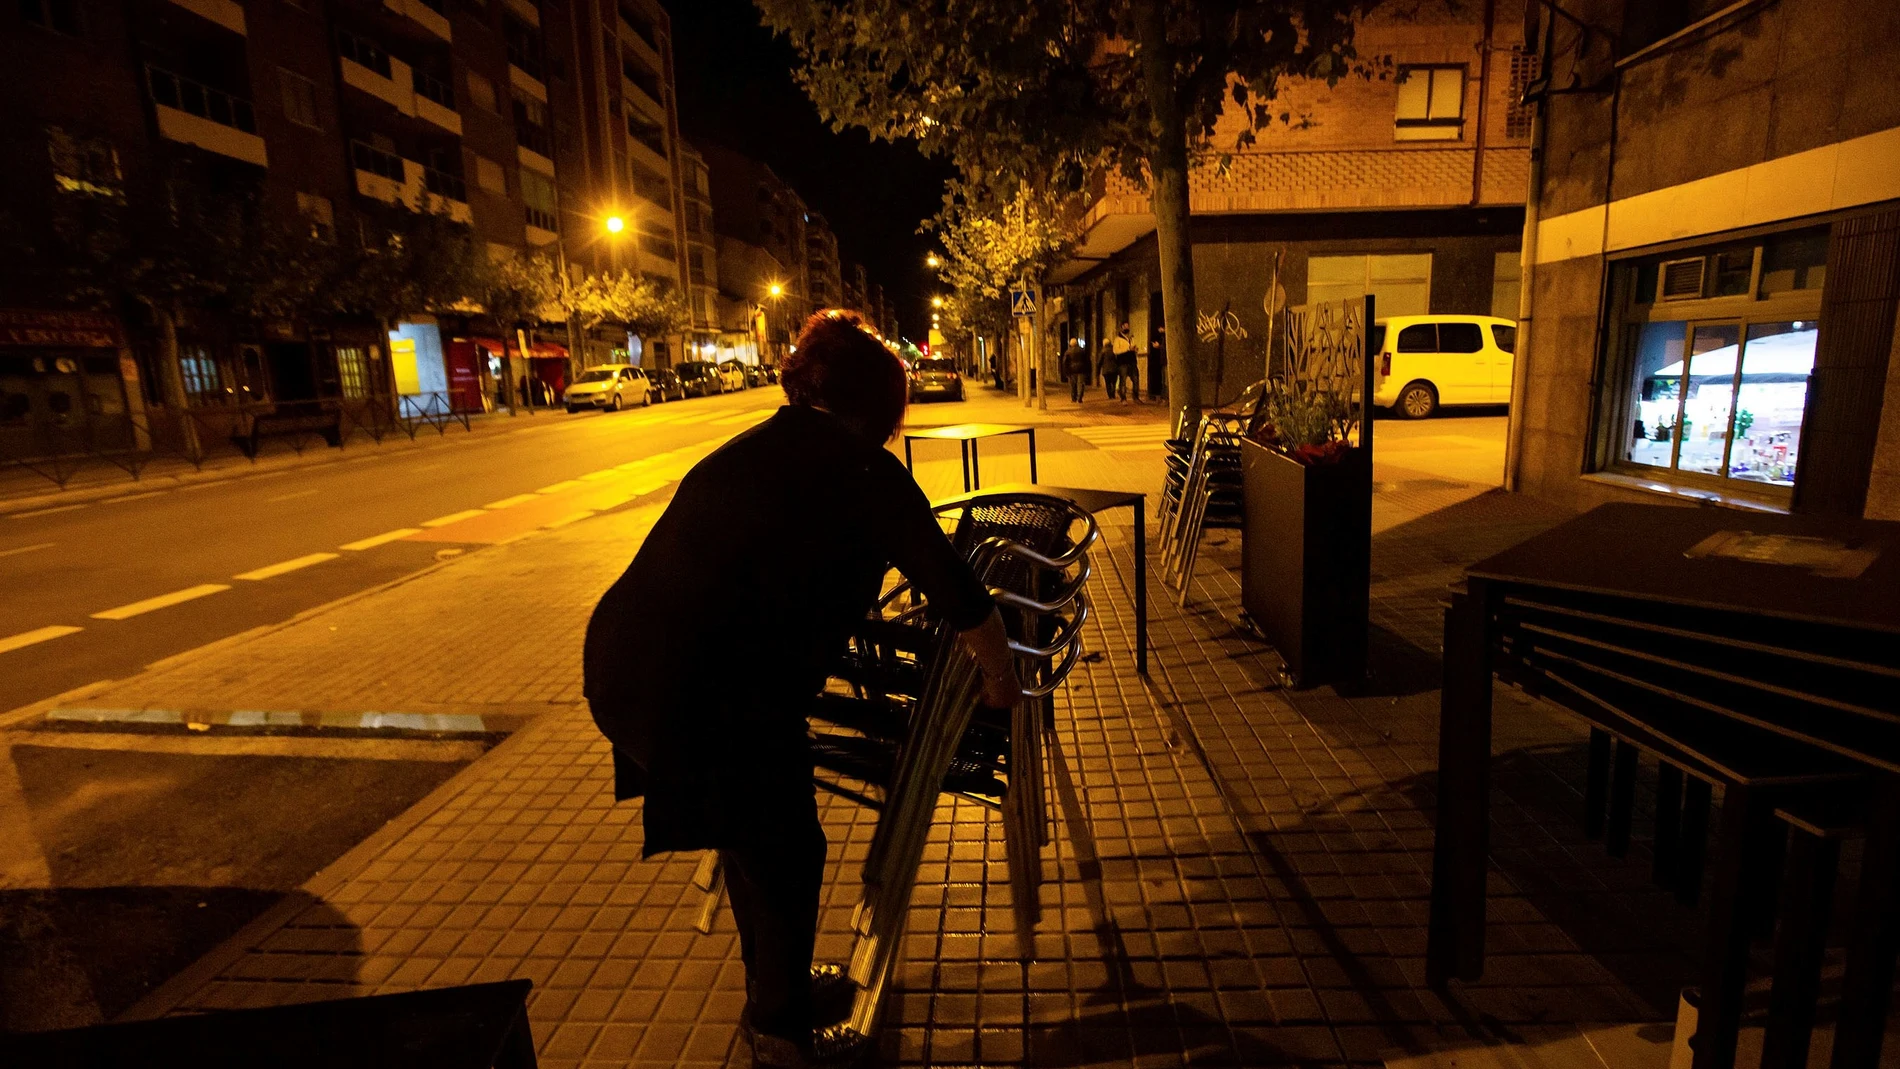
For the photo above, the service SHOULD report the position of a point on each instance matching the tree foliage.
(516, 288)
(989, 243)
(645, 306)
(408, 262)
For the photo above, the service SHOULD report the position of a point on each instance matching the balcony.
(389, 79)
(527, 80)
(223, 12)
(431, 15)
(641, 100)
(391, 179)
(211, 119)
(435, 101)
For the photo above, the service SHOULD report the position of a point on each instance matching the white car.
(609, 386)
(1427, 361)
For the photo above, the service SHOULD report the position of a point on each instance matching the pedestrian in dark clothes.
(1126, 364)
(775, 545)
(1110, 370)
(1075, 368)
(1158, 364)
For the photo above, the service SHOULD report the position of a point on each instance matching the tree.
(514, 290)
(1019, 88)
(645, 306)
(990, 243)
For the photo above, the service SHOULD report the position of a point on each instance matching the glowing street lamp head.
(775, 290)
(936, 302)
(933, 260)
(615, 224)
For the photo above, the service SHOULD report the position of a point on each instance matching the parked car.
(733, 374)
(700, 379)
(935, 379)
(1432, 360)
(666, 385)
(609, 386)
(757, 375)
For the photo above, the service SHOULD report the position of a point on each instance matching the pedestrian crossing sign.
(1022, 302)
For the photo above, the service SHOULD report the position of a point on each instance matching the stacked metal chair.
(911, 728)
(1201, 487)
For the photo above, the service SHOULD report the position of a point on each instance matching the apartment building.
(702, 252)
(1408, 185)
(823, 273)
(1714, 265)
(754, 206)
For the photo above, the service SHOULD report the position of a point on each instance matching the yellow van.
(1428, 361)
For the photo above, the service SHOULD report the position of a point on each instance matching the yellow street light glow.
(932, 260)
(615, 224)
(775, 290)
(936, 302)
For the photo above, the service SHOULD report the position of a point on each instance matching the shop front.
(67, 386)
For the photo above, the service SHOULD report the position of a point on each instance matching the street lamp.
(775, 290)
(615, 224)
(932, 260)
(936, 302)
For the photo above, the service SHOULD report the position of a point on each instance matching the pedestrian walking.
(1108, 369)
(775, 545)
(1157, 363)
(1127, 361)
(1075, 368)
(1117, 349)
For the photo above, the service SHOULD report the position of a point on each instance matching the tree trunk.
(174, 376)
(1167, 167)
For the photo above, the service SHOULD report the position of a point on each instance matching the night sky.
(736, 89)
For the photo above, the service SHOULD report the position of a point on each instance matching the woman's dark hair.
(838, 366)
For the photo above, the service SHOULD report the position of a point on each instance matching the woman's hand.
(988, 642)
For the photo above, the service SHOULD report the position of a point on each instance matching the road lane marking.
(37, 635)
(376, 540)
(163, 601)
(290, 497)
(604, 473)
(47, 512)
(16, 551)
(131, 497)
(556, 488)
(453, 517)
(697, 417)
(511, 502)
(565, 520)
(272, 570)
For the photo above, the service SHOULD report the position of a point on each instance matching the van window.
(1419, 338)
(1460, 338)
(1377, 341)
(1506, 337)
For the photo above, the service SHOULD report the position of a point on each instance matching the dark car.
(757, 375)
(935, 379)
(698, 378)
(666, 385)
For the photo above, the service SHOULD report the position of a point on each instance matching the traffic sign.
(1022, 302)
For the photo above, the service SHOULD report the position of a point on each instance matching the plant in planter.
(1306, 471)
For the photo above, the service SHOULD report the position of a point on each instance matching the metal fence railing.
(59, 448)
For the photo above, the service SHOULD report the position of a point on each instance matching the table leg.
(1141, 585)
(976, 468)
(1738, 862)
(963, 452)
(1616, 837)
(1875, 938)
(1800, 950)
(1596, 783)
(1695, 840)
(1662, 866)
(909, 464)
(1461, 847)
(1032, 454)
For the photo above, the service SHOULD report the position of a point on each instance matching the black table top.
(1641, 552)
(1086, 499)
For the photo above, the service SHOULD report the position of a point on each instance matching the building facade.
(752, 205)
(1408, 185)
(1714, 261)
(702, 250)
(823, 273)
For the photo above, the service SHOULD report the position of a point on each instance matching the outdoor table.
(480, 1026)
(1094, 502)
(1731, 602)
(966, 435)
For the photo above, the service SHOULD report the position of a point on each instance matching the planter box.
(1306, 560)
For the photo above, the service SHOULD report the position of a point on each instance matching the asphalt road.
(97, 591)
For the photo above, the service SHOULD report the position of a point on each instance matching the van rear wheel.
(1417, 401)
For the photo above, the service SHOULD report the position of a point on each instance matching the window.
(320, 212)
(1459, 338)
(300, 99)
(363, 52)
(60, 16)
(194, 98)
(1506, 337)
(1431, 103)
(531, 125)
(524, 46)
(82, 164)
(1707, 376)
(377, 162)
(352, 371)
(1400, 283)
(490, 176)
(481, 92)
(431, 88)
(200, 374)
(1507, 278)
(539, 197)
(1517, 113)
(1418, 338)
(646, 132)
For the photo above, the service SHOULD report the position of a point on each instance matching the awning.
(541, 350)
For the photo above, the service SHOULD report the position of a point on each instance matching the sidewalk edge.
(166, 997)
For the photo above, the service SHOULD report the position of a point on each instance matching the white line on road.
(376, 540)
(565, 520)
(163, 601)
(697, 417)
(272, 570)
(511, 502)
(454, 517)
(28, 638)
(17, 550)
(131, 497)
(290, 497)
(47, 512)
(556, 488)
(604, 473)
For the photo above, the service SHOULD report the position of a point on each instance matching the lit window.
(352, 371)
(200, 374)
(539, 197)
(1431, 103)
(320, 212)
